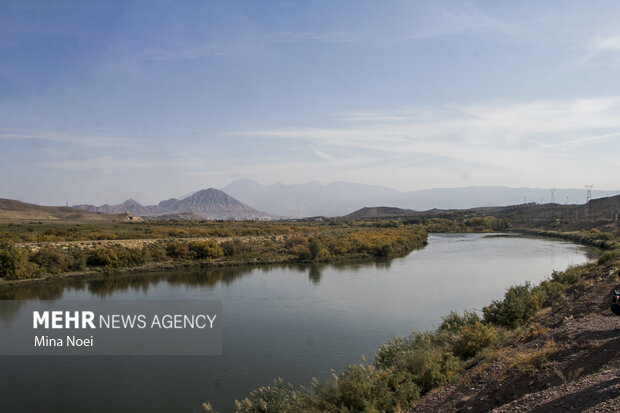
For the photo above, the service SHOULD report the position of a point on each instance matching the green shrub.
(205, 249)
(474, 338)
(77, 259)
(129, 257)
(176, 249)
(550, 288)
(431, 367)
(231, 248)
(570, 275)
(607, 256)
(384, 250)
(519, 304)
(156, 252)
(282, 397)
(301, 252)
(315, 246)
(14, 263)
(51, 260)
(424, 356)
(365, 388)
(453, 322)
(9, 237)
(101, 257)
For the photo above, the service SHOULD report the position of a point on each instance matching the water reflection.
(107, 285)
(290, 321)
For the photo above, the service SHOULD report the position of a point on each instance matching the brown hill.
(11, 209)
(595, 212)
(380, 212)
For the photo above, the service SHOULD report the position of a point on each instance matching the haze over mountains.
(245, 199)
(341, 198)
(208, 203)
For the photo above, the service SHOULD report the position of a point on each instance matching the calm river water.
(295, 322)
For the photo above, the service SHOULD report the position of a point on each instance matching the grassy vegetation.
(593, 238)
(530, 362)
(478, 224)
(45, 231)
(406, 368)
(237, 242)
(521, 302)
(254, 242)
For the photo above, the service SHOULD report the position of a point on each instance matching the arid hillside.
(11, 210)
(567, 358)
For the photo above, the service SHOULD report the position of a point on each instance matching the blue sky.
(101, 101)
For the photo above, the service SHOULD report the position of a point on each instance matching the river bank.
(462, 346)
(567, 357)
(294, 321)
(36, 262)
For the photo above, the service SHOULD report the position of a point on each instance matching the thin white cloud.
(543, 137)
(324, 155)
(304, 36)
(602, 48)
(491, 123)
(182, 53)
(117, 163)
(458, 20)
(479, 21)
(605, 44)
(87, 140)
(530, 143)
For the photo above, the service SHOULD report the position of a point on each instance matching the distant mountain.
(245, 198)
(310, 199)
(480, 196)
(168, 203)
(212, 203)
(379, 212)
(130, 206)
(208, 203)
(340, 198)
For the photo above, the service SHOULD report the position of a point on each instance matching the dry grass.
(534, 332)
(571, 375)
(531, 361)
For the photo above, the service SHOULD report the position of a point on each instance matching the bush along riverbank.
(36, 250)
(593, 238)
(346, 242)
(405, 369)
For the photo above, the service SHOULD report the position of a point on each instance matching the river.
(290, 321)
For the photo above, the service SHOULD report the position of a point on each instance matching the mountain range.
(208, 203)
(341, 198)
(245, 199)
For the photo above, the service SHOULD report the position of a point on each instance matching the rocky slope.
(566, 359)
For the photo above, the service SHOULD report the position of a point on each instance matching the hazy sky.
(101, 101)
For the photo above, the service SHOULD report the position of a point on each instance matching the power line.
(588, 193)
